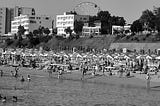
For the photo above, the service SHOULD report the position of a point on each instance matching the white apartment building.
(87, 31)
(125, 29)
(30, 22)
(67, 20)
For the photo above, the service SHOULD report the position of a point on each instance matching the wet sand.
(70, 90)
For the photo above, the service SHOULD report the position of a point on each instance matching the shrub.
(9, 41)
(127, 37)
(148, 35)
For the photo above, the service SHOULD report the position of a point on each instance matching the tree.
(35, 32)
(105, 17)
(41, 30)
(15, 36)
(21, 29)
(8, 41)
(136, 26)
(116, 20)
(78, 26)
(47, 31)
(148, 20)
(69, 31)
(92, 19)
(20, 32)
(30, 35)
(157, 19)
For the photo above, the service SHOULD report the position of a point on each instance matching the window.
(47, 18)
(31, 17)
(71, 17)
(31, 21)
(38, 17)
(25, 25)
(84, 18)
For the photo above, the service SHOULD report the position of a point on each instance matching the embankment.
(137, 46)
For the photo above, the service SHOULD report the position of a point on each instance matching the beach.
(70, 90)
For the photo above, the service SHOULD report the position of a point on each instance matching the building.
(88, 31)
(67, 20)
(93, 30)
(7, 15)
(31, 22)
(5, 20)
(121, 29)
(23, 11)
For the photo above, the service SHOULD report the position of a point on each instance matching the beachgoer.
(29, 78)
(83, 72)
(148, 78)
(1, 73)
(16, 72)
(110, 72)
(59, 72)
(1, 97)
(4, 99)
(128, 74)
(121, 72)
(22, 79)
(103, 69)
(14, 98)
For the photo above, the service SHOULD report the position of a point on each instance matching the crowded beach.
(112, 63)
(24, 65)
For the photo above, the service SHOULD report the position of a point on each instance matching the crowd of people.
(85, 62)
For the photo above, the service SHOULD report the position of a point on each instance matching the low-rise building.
(31, 22)
(7, 15)
(67, 20)
(121, 29)
(91, 30)
(87, 31)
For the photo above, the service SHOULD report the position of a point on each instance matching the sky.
(131, 10)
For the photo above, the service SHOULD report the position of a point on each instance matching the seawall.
(137, 46)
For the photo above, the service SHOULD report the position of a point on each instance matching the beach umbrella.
(13, 53)
(158, 58)
(148, 57)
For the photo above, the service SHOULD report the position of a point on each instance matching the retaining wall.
(137, 46)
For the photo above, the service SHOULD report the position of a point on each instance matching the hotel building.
(7, 15)
(30, 22)
(67, 20)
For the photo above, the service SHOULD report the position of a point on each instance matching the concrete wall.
(137, 46)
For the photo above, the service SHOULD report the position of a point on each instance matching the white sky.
(129, 9)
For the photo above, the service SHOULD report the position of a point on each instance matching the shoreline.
(137, 81)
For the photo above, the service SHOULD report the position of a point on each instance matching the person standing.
(59, 72)
(148, 78)
(29, 78)
(22, 79)
(83, 72)
(1, 73)
(16, 72)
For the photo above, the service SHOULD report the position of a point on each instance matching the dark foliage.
(9, 42)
